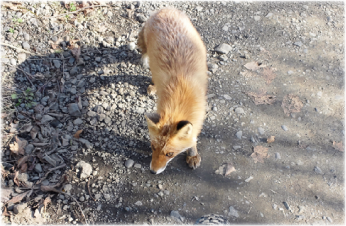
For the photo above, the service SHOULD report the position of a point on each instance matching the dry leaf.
(4, 173)
(291, 103)
(259, 154)
(26, 128)
(253, 66)
(56, 44)
(85, 4)
(269, 75)
(18, 146)
(15, 179)
(18, 198)
(5, 213)
(34, 131)
(16, 6)
(6, 194)
(49, 188)
(46, 201)
(229, 169)
(100, 2)
(261, 98)
(338, 146)
(271, 139)
(3, 115)
(21, 161)
(39, 75)
(76, 51)
(66, 3)
(24, 168)
(77, 134)
(248, 73)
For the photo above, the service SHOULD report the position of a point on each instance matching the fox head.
(167, 140)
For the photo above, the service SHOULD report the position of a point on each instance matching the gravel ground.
(75, 145)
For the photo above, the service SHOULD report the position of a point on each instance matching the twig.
(52, 169)
(4, 44)
(77, 204)
(82, 9)
(26, 75)
(89, 190)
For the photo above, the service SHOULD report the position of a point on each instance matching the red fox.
(177, 60)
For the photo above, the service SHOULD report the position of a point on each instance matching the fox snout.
(158, 164)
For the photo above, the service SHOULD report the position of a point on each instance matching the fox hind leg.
(193, 159)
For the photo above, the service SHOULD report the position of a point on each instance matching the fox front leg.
(193, 159)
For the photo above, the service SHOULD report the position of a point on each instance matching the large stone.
(223, 48)
(86, 169)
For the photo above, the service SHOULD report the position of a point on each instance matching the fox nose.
(152, 171)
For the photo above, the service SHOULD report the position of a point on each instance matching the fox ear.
(152, 120)
(184, 129)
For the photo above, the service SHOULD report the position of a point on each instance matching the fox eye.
(170, 154)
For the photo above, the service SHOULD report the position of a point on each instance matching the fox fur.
(177, 60)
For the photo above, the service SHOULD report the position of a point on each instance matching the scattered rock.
(28, 149)
(26, 45)
(131, 46)
(19, 208)
(176, 217)
(260, 130)
(46, 118)
(38, 168)
(317, 170)
(233, 212)
(85, 142)
(67, 188)
(277, 155)
(284, 127)
(77, 121)
(239, 134)
(138, 203)
(73, 110)
(250, 178)
(212, 67)
(57, 63)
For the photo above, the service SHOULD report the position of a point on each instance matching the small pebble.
(317, 170)
(284, 127)
(261, 130)
(129, 163)
(239, 134)
(277, 155)
(239, 110)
